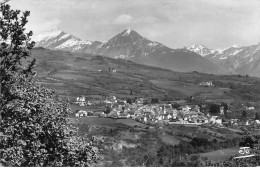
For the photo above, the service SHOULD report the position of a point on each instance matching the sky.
(216, 24)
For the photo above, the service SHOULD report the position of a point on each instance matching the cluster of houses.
(108, 70)
(249, 107)
(237, 123)
(81, 113)
(152, 113)
(163, 112)
(82, 101)
(206, 84)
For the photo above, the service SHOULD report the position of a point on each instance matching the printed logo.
(245, 152)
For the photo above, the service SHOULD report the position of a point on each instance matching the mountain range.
(132, 46)
(242, 60)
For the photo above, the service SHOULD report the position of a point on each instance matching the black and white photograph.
(129, 83)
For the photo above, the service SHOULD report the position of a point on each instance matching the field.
(227, 132)
(222, 154)
(108, 122)
(171, 140)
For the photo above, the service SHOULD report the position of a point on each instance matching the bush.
(34, 127)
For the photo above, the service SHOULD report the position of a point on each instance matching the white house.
(174, 116)
(250, 108)
(121, 102)
(128, 116)
(107, 102)
(195, 108)
(140, 101)
(194, 115)
(112, 99)
(82, 113)
(222, 110)
(218, 121)
(206, 121)
(213, 119)
(233, 121)
(207, 83)
(169, 116)
(159, 117)
(185, 108)
(89, 103)
(81, 101)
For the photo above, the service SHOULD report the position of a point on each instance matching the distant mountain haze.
(132, 46)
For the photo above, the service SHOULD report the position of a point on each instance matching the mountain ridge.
(130, 45)
(243, 60)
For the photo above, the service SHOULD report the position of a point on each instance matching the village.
(155, 112)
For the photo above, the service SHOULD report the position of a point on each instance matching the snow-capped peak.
(104, 42)
(200, 49)
(220, 51)
(235, 46)
(57, 39)
(73, 42)
(47, 35)
(127, 32)
(64, 36)
(197, 46)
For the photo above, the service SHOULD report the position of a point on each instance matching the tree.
(129, 101)
(154, 100)
(214, 109)
(248, 140)
(244, 115)
(175, 105)
(108, 110)
(194, 158)
(34, 127)
(225, 108)
(257, 116)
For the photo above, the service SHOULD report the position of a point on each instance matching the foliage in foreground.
(34, 128)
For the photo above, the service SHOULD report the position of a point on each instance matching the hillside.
(75, 74)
